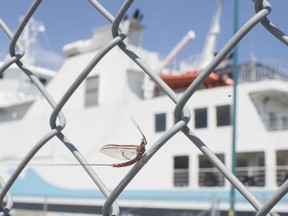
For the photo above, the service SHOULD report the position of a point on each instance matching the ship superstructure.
(179, 179)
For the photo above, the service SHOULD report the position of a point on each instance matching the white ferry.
(178, 180)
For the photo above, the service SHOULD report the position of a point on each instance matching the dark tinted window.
(200, 118)
(160, 122)
(223, 115)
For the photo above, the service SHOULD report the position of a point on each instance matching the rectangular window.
(200, 116)
(92, 91)
(251, 168)
(223, 115)
(160, 122)
(209, 176)
(181, 171)
(282, 166)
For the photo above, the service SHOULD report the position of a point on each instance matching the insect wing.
(121, 152)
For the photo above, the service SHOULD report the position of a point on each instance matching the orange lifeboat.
(183, 80)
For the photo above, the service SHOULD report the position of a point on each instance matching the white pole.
(189, 36)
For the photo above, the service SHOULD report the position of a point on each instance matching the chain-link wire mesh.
(181, 112)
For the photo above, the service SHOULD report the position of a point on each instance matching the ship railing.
(210, 177)
(258, 71)
(276, 123)
(251, 175)
(181, 177)
(282, 174)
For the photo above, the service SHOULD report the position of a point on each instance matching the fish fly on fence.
(131, 153)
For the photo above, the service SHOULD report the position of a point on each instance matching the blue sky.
(166, 22)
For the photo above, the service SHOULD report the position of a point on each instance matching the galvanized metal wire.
(181, 112)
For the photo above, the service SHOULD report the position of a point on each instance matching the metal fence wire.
(181, 112)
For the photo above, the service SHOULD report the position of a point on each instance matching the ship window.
(200, 116)
(160, 122)
(181, 171)
(272, 121)
(209, 176)
(251, 168)
(223, 115)
(92, 91)
(282, 166)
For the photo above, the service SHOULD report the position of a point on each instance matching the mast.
(211, 39)
(29, 38)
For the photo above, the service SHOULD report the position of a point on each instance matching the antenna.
(137, 126)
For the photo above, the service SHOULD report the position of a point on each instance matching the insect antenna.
(138, 127)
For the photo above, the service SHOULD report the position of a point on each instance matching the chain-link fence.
(181, 112)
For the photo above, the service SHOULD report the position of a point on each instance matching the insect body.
(131, 153)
